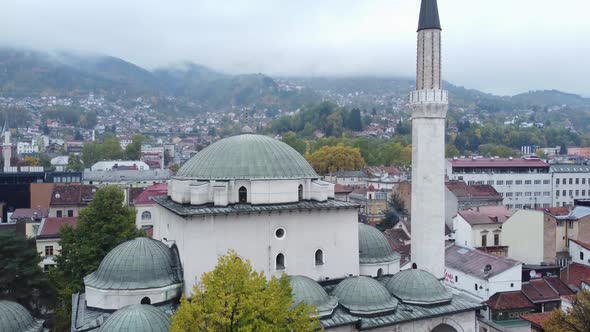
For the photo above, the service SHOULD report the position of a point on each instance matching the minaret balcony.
(429, 97)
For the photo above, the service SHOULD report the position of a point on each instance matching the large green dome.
(16, 318)
(137, 318)
(374, 247)
(310, 292)
(136, 264)
(247, 156)
(364, 296)
(418, 287)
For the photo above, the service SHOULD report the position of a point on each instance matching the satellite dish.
(487, 269)
(533, 273)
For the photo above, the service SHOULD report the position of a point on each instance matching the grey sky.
(500, 46)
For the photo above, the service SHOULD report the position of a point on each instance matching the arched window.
(319, 257)
(581, 255)
(280, 262)
(444, 328)
(243, 195)
(146, 300)
(414, 266)
(379, 272)
(146, 215)
(300, 192)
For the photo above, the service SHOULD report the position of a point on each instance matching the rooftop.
(544, 290)
(499, 162)
(570, 169)
(584, 245)
(486, 215)
(209, 209)
(72, 194)
(36, 213)
(127, 175)
(51, 226)
(463, 190)
(475, 262)
(429, 18)
(159, 189)
(577, 213)
(537, 319)
(574, 274)
(509, 301)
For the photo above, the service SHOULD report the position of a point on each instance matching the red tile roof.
(398, 240)
(51, 226)
(556, 211)
(539, 291)
(537, 319)
(509, 301)
(584, 245)
(160, 189)
(72, 194)
(462, 189)
(342, 189)
(559, 286)
(30, 213)
(575, 274)
(498, 162)
(496, 214)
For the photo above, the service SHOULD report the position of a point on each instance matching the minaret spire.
(429, 105)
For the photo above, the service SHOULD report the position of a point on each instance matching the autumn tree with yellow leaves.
(329, 159)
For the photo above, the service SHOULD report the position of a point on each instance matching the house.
(545, 294)
(373, 204)
(531, 237)
(576, 276)
(342, 192)
(145, 205)
(481, 227)
(537, 321)
(480, 275)
(48, 239)
(507, 308)
(348, 178)
(474, 195)
(580, 252)
(32, 219)
(41, 194)
(67, 200)
(575, 225)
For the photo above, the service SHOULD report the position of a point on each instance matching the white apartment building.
(26, 148)
(525, 183)
(570, 182)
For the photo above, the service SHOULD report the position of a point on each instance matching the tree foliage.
(103, 225)
(577, 319)
(21, 278)
(133, 150)
(75, 164)
(396, 209)
(109, 149)
(234, 297)
(330, 159)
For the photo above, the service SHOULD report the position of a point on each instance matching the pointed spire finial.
(429, 15)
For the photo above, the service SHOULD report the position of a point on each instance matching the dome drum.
(375, 254)
(114, 299)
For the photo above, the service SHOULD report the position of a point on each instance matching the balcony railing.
(429, 96)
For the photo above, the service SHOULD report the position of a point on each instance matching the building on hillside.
(119, 164)
(48, 239)
(545, 294)
(26, 148)
(67, 200)
(570, 182)
(74, 147)
(145, 205)
(32, 219)
(60, 163)
(480, 227)
(348, 178)
(525, 183)
(373, 204)
(480, 275)
(387, 184)
(153, 156)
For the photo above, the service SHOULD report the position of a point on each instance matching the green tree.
(103, 225)
(133, 150)
(91, 153)
(21, 278)
(577, 319)
(396, 209)
(355, 122)
(330, 159)
(75, 164)
(111, 149)
(45, 161)
(291, 139)
(234, 297)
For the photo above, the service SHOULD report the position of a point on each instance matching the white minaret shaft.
(429, 105)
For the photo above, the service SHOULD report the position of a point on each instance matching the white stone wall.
(463, 232)
(372, 270)
(201, 240)
(429, 60)
(462, 322)
(139, 222)
(509, 280)
(112, 299)
(523, 234)
(576, 250)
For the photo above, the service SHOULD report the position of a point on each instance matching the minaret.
(429, 105)
(6, 148)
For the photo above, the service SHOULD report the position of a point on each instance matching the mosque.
(260, 197)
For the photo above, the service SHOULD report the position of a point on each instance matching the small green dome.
(310, 292)
(136, 264)
(247, 156)
(16, 318)
(374, 247)
(364, 296)
(137, 318)
(418, 287)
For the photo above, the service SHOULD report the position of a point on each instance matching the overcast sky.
(499, 46)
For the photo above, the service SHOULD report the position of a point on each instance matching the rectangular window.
(583, 192)
(571, 193)
(484, 240)
(527, 181)
(500, 182)
(496, 239)
(510, 206)
(577, 193)
(557, 181)
(577, 180)
(70, 213)
(563, 192)
(48, 250)
(508, 194)
(470, 182)
(570, 224)
(571, 181)
(547, 193)
(583, 180)
(518, 194)
(58, 213)
(546, 181)
(537, 194)
(518, 206)
(557, 193)
(518, 182)
(537, 181)
(476, 287)
(490, 182)
(527, 194)
(508, 182)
